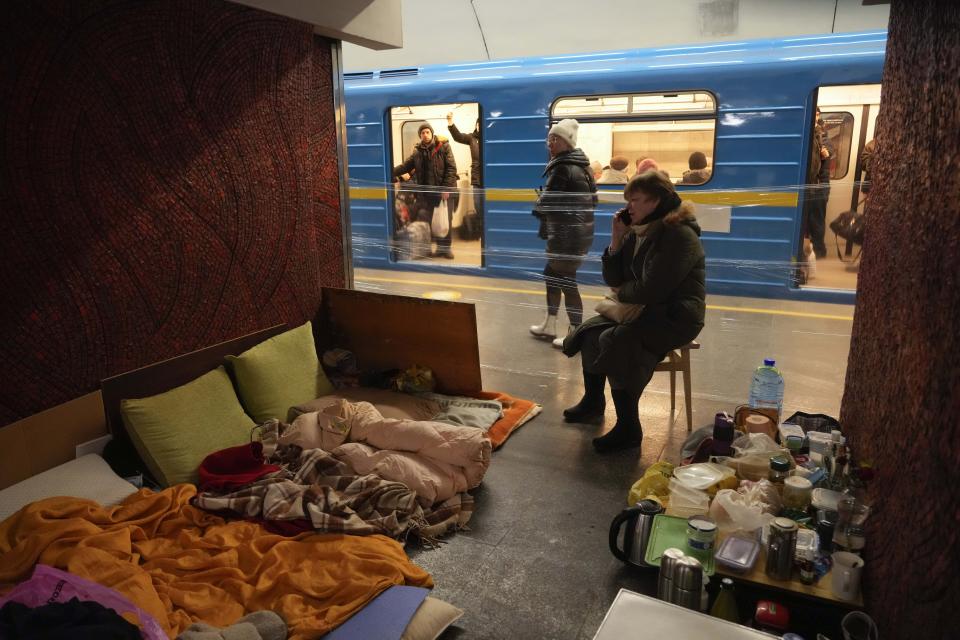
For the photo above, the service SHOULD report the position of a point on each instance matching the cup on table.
(847, 569)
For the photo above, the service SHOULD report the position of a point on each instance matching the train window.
(838, 126)
(411, 241)
(676, 130)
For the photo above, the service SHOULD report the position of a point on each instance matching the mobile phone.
(624, 215)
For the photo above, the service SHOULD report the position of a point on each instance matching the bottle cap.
(779, 463)
(769, 362)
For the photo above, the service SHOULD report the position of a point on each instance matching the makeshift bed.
(181, 563)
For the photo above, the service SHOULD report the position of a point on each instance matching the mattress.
(87, 477)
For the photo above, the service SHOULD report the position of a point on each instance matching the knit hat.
(566, 130)
(425, 125)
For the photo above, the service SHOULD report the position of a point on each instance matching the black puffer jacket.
(472, 139)
(432, 165)
(566, 204)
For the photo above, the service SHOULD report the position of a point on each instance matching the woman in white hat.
(565, 210)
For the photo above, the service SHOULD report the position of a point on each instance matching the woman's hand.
(618, 232)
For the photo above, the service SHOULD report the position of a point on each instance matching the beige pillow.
(279, 373)
(431, 619)
(174, 431)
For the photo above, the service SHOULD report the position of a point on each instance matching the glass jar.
(779, 468)
(796, 493)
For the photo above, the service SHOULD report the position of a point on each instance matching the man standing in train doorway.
(818, 189)
(471, 228)
(435, 171)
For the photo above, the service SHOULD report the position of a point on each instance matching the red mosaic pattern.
(901, 405)
(168, 180)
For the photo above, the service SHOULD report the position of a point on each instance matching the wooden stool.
(679, 360)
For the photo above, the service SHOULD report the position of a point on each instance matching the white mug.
(847, 568)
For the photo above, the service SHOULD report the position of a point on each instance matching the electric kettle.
(638, 521)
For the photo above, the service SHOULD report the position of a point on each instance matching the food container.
(738, 554)
(825, 499)
(797, 493)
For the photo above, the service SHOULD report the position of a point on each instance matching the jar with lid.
(701, 536)
(796, 493)
(779, 468)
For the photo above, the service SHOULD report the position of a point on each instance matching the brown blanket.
(183, 565)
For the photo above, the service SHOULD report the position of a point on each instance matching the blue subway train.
(732, 124)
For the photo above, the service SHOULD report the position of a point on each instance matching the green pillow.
(175, 430)
(280, 373)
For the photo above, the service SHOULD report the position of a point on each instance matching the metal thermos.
(688, 583)
(668, 569)
(780, 548)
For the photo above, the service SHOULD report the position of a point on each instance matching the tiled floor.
(535, 563)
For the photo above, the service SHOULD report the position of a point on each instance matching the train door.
(413, 207)
(849, 116)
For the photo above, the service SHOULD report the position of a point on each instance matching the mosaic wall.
(902, 399)
(168, 180)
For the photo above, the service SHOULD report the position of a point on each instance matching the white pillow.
(86, 477)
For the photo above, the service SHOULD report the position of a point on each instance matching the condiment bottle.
(725, 606)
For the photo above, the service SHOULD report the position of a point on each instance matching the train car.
(747, 108)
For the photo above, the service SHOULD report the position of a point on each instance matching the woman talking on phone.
(654, 260)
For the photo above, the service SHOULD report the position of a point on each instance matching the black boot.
(592, 404)
(627, 433)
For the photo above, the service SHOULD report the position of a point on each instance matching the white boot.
(558, 341)
(546, 330)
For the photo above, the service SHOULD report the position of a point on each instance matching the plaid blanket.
(313, 485)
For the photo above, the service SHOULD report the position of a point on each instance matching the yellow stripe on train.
(730, 198)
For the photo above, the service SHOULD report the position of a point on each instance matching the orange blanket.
(516, 412)
(183, 565)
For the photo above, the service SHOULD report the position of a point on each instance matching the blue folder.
(384, 618)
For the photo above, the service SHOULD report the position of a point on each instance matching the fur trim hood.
(684, 214)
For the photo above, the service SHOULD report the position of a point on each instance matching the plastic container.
(701, 536)
(766, 388)
(738, 554)
(797, 493)
(825, 499)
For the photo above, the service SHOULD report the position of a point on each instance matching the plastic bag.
(440, 223)
(653, 485)
(746, 510)
(48, 585)
(751, 443)
(685, 502)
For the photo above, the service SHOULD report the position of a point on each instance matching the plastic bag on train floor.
(746, 509)
(48, 585)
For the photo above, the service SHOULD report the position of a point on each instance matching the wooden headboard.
(394, 332)
(163, 376)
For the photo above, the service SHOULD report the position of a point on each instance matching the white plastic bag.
(686, 502)
(734, 511)
(440, 224)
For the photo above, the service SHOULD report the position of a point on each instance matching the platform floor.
(535, 563)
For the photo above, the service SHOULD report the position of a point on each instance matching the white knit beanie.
(566, 130)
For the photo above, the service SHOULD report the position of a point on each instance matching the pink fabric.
(48, 585)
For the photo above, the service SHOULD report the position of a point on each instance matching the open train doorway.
(848, 117)
(417, 203)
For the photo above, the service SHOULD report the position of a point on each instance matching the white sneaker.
(558, 343)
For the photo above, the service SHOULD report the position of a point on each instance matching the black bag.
(472, 227)
(849, 225)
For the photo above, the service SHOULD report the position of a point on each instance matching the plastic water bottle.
(766, 390)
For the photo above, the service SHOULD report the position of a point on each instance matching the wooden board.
(758, 576)
(394, 332)
(49, 438)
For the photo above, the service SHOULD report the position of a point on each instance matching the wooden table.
(757, 575)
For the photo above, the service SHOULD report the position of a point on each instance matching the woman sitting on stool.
(655, 259)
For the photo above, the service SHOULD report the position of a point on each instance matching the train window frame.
(395, 142)
(848, 122)
(649, 116)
